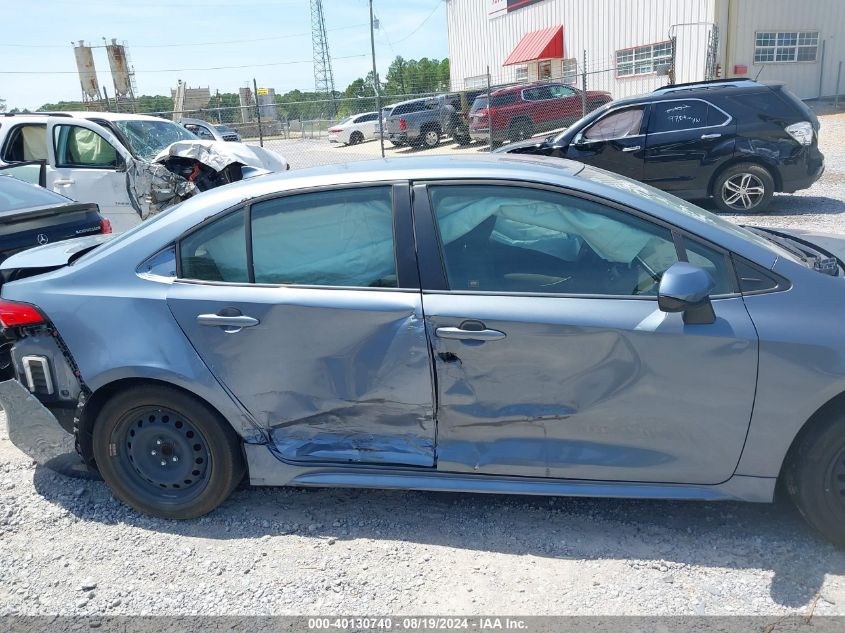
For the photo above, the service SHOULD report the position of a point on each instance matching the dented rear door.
(319, 330)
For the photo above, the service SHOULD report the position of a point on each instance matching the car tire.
(430, 138)
(815, 476)
(744, 188)
(355, 138)
(463, 139)
(166, 453)
(520, 130)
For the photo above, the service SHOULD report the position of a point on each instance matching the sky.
(193, 40)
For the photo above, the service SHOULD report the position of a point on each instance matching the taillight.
(335, 130)
(17, 314)
(105, 225)
(801, 132)
(403, 124)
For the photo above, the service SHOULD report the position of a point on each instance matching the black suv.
(737, 141)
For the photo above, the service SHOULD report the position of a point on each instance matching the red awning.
(542, 44)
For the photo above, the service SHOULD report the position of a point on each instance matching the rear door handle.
(708, 136)
(469, 335)
(635, 148)
(64, 181)
(229, 323)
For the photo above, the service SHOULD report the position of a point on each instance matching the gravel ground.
(67, 547)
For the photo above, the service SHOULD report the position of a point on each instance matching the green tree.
(154, 103)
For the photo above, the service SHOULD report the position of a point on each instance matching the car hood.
(528, 146)
(54, 255)
(833, 243)
(220, 154)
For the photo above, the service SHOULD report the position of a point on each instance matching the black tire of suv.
(463, 139)
(756, 175)
(355, 138)
(203, 447)
(814, 476)
(520, 130)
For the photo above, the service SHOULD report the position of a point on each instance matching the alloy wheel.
(743, 192)
(431, 138)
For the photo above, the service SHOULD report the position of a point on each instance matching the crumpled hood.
(153, 187)
(220, 154)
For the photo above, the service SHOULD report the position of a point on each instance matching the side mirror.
(686, 288)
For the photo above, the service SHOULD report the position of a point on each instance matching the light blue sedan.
(494, 324)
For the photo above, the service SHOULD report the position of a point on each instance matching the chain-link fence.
(477, 115)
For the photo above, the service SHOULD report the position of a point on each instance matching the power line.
(420, 25)
(181, 45)
(175, 70)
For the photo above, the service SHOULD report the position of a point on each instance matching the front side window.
(216, 251)
(671, 116)
(327, 238)
(80, 147)
(561, 92)
(515, 239)
(25, 143)
(615, 125)
(643, 60)
(772, 47)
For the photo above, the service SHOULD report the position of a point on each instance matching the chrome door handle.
(707, 136)
(469, 335)
(64, 181)
(635, 148)
(231, 323)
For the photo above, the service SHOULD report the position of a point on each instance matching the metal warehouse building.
(629, 46)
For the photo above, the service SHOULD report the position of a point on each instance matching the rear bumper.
(482, 135)
(32, 427)
(398, 137)
(816, 171)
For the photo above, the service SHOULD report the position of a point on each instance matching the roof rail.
(710, 83)
(10, 114)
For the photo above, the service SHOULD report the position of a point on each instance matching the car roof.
(702, 88)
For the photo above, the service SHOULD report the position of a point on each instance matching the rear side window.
(405, 108)
(26, 142)
(672, 116)
(326, 238)
(540, 93)
(779, 106)
(216, 251)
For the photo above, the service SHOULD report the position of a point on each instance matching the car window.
(515, 239)
(618, 124)
(714, 262)
(199, 130)
(216, 251)
(560, 92)
(327, 238)
(26, 142)
(80, 147)
(672, 116)
(405, 108)
(537, 94)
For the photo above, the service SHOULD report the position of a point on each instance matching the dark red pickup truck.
(519, 112)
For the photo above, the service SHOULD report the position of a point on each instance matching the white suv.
(108, 158)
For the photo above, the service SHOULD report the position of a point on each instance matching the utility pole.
(376, 87)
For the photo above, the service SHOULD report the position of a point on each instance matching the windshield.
(17, 194)
(148, 138)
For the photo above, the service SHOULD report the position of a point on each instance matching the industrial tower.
(323, 75)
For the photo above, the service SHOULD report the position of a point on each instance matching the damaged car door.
(87, 163)
(307, 307)
(553, 356)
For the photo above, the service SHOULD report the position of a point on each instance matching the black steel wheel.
(166, 453)
(815, 476)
